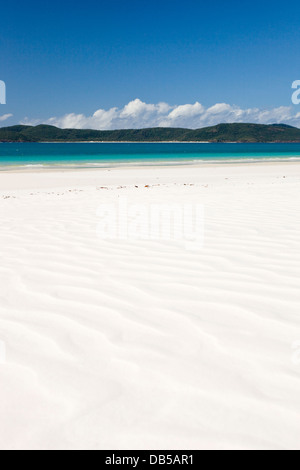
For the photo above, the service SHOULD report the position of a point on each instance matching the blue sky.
(67, 58)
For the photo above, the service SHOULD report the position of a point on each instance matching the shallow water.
(73, 155)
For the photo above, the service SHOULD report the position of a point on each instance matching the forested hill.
(220, 133)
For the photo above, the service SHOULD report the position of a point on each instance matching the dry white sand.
(142, 344)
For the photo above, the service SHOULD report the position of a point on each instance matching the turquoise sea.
(90, 155)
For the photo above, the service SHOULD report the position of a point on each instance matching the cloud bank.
(137, 114)
(5, 117)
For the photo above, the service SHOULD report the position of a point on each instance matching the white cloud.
(5, 117)
(219, 108)
(101, 119)
(138, 114)
(186, 110)
(136, 108)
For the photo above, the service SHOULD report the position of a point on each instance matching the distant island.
(236, 132)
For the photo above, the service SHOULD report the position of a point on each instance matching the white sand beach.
(144, 344)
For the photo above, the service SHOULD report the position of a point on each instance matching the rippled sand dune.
(137, 344)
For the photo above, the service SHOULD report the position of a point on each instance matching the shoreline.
(44, 168)
(152, 142)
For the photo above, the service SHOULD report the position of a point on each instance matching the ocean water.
(91, 155)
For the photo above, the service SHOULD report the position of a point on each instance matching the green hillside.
(220, 133)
